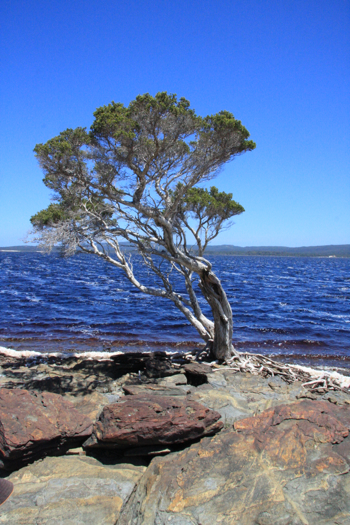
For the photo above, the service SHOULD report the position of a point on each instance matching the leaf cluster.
(211, 203)
(50, 216)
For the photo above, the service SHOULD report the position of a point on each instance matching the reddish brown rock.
(152, 420)
(282, 432)
(332, 421)
(33, 424)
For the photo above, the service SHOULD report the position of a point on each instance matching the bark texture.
(221, 346)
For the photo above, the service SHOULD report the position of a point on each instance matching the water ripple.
(295, 307)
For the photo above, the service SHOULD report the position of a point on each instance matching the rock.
(330, 423)
(50, 383)
(147, 451)
(35, 424)
(159, 364)
(197, 373)
(138, 421)
(76, 452)
(156, 390)
(91, 405)
(231, 405)
(176, 379)
(239, 395)
(287, 466)
(70, 490)
(79, 375)
(272, 464)
(217, 380)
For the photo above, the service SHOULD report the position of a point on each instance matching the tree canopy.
(137, 176)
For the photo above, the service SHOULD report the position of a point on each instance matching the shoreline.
(300, 352)
(316, 374)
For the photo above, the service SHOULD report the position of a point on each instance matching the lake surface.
(296, 309)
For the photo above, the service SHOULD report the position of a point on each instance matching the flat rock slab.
(69, 491)
(156, 390)
(34, 424)
(176, 379)
(325, 422)
(91, 405)
(287, 466)
(142, 420)
(240, 395)
(78, 375)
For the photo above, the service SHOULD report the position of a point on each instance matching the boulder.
(69, 490)
(34, 424)
(143, 420)
(159, 364)
(197, 373)
(287, 466)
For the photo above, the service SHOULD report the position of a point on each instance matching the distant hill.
(340, 250)
(21, 249)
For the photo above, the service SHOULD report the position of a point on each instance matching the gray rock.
(175, 380)
(217, 380)
(69, 491)
(155, 389)
(239, 395)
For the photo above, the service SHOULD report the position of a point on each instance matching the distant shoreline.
(327, 251)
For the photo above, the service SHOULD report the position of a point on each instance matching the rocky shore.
(152, 439)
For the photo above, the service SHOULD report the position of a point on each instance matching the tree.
(134, 177)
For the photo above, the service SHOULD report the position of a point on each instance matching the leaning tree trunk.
(221, 347)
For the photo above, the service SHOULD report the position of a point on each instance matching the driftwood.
(257, 364)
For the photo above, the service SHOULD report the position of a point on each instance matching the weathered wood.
(221, 346)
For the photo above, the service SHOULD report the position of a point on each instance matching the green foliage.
(62, 155)
(74, 209)
(53, 214)
(223, 124)
(121, 123)
(114, 121)
(211, 203)
(68, 142)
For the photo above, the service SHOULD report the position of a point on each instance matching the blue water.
(297, 309)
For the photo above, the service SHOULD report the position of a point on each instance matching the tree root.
(318, 381)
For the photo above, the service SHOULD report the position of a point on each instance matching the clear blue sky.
(282, 67)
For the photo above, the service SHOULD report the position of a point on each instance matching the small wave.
(33, 299)
(293, 344)
(42, 355)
